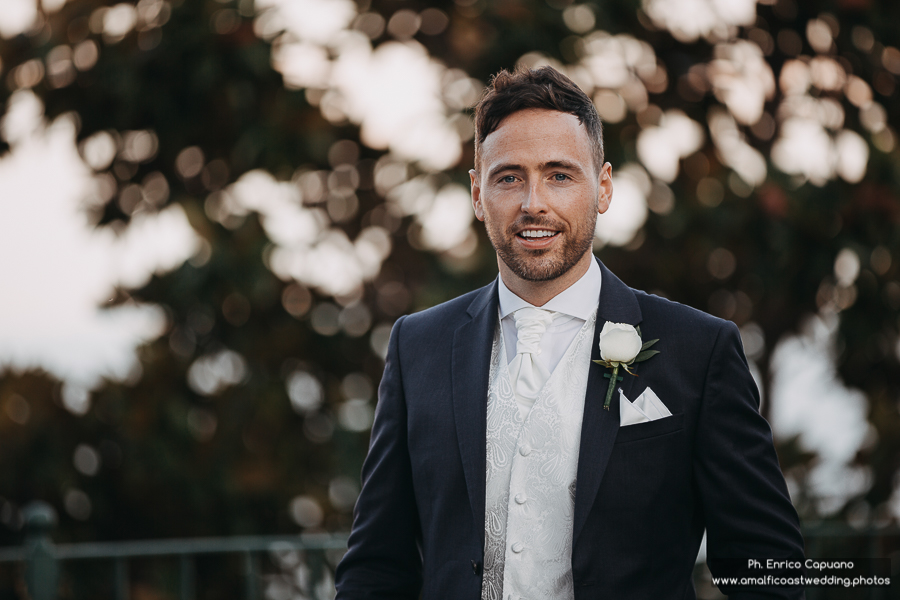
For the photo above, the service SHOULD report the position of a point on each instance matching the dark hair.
(526, 88)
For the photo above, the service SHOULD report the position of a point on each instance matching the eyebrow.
(561, 164)
(504, 167)
(551, 164)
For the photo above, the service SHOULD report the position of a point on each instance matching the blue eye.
(508, 179)
(560, 177)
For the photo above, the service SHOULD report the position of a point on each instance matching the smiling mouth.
(537, 234)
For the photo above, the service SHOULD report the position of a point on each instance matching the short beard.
(535, 265)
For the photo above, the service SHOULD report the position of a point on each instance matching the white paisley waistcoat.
(530, 480)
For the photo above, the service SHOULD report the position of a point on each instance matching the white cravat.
(527, 371)
(573, 307)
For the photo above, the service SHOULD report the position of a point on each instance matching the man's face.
(539, 192)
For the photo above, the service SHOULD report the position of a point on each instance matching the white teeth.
(536, 233)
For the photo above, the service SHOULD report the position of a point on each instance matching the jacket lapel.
(470, 373)
(599, 427)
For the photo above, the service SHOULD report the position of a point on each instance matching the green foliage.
(192, 86)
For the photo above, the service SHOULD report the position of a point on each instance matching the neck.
(539, 293)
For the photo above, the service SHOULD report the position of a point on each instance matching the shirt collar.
(578, 300)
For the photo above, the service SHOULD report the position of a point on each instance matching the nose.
(535, 200)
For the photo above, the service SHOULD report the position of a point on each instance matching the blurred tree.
(758, 171)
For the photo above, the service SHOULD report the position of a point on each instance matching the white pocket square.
(647, 407)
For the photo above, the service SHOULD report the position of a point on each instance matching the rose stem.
(612, 385)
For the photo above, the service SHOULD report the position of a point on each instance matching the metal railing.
(42, 557)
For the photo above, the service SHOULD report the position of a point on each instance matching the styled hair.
(526, 88)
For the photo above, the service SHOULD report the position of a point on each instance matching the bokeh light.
(212, 252)
(65, 269)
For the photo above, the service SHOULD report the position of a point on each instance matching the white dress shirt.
(573, 306)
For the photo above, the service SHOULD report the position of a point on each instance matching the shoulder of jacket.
(679, 315)
(441, 317)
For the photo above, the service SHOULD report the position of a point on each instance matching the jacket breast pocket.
(643, 431)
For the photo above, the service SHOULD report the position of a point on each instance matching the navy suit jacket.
(644, 493)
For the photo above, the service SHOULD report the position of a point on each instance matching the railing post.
(121, 578)
(251, 576)
(316, 562)
(41, 568)
(188, 578)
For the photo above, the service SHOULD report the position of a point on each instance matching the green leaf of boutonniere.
(645, 355)
(647, 345)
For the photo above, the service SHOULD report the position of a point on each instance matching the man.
(494, 469)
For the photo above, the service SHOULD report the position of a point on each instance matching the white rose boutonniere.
(621, 346)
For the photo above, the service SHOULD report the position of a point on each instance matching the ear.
(476, 195)
(605, 188)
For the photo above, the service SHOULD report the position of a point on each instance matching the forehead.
(537, 135)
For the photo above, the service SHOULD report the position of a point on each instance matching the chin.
(538, 270)
(542, 276)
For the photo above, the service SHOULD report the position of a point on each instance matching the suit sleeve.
(383, 559)
(747, 510)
